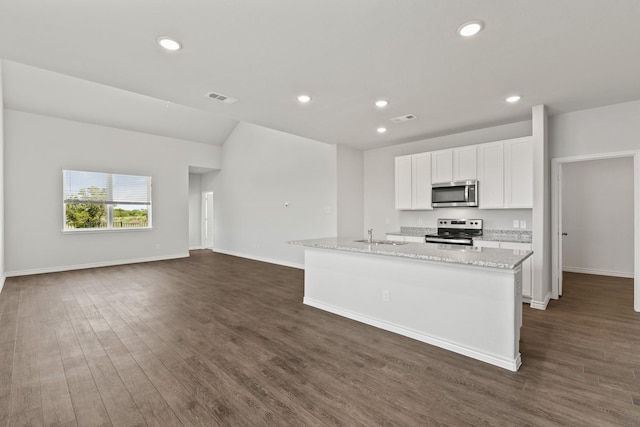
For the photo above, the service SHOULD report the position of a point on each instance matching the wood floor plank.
(57, 408)
(87, 403)
(25, 404)
(118, 402)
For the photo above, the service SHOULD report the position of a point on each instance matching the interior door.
(208, 219)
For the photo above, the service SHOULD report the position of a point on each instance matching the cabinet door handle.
(565, 234)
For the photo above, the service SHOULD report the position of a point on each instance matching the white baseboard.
(628, 275)
(92, 265)
(257, 258)
(509, 364)
(541, 305)
(2, 279)
(195, 248)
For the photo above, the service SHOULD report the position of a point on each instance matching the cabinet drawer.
(486, 244)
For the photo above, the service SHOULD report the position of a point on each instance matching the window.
(104, 201)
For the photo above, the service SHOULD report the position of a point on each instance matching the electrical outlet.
(523, 223)
(385, 296)
(516, 223)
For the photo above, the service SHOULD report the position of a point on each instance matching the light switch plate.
(523, 223)
(516, 223)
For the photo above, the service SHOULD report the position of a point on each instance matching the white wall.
(195, 212)
(379, 182)
(39, 147)
(597, 209)
(599, 130)
(2, 264)
(262, 170)
(350, 164)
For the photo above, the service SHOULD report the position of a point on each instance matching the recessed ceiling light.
(168, 43)
(304, 98)
(513, 98)
(381, 103)
(470, 28)
(381, 130)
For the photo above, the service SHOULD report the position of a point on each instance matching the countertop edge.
(380, 251)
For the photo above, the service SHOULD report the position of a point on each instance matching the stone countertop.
(507, 259)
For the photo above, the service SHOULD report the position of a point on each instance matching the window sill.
(106, 230)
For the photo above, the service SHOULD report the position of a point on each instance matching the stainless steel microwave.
(454, 194)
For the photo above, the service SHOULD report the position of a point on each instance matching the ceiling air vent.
(222, 98)
(404, 118)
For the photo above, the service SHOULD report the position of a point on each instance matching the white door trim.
(556, 218)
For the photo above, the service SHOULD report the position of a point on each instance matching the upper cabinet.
(464, 163)
(441, 166)
(491, 175)
(413, 182)
(457, 164)
(504, 170)
(505, 174)
(404, 182)
(518, 173)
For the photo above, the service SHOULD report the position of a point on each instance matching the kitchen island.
(461, 298)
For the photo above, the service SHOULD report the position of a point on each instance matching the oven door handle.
(466, 193)
(450, 241)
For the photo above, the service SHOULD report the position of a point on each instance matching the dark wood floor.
(218, 340)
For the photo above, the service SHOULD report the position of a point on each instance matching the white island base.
(471, 310)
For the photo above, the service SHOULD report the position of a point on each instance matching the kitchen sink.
(381, 242)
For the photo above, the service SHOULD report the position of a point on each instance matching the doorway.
(207, 219)
(557, 166)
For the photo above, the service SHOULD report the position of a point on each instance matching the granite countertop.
(482, 257)
(519, 236)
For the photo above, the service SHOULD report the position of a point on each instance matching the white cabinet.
(404, 182)
(464, 163)
(409, 239)
(486, 243)
(518, 183)
(491, 175)
(504, 170)
(505, 174)
(457, 164)
(527, 270)
(421, 167)
(413, 182)
(441, 166)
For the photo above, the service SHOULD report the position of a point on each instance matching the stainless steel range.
(456, 231)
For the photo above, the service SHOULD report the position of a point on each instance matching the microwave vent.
(222, 98)
(404, 118)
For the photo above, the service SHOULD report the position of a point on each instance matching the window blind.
(105, 188)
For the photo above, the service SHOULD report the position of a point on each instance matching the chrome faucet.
(370, 233)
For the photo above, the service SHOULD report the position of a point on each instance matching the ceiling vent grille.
(404, 118)
(222, 98)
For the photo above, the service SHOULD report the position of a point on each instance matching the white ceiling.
(569, 55)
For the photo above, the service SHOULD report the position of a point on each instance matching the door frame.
(556, 218)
